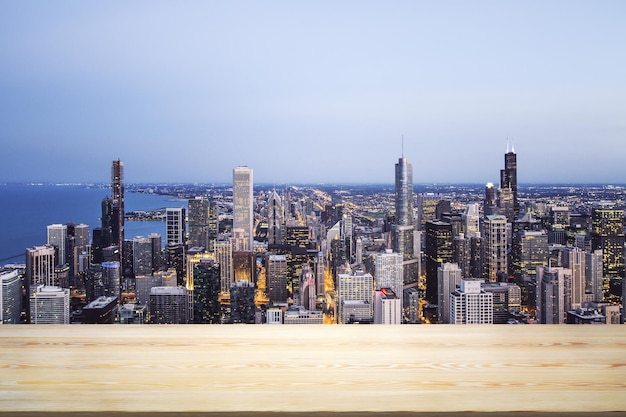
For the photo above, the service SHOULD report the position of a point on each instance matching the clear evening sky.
(312, 91)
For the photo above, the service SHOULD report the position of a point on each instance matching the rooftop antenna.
(403, 145)
(513, 147)
(507, 145)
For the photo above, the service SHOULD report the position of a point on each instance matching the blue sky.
(312, 91)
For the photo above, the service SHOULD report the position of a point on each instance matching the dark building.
(117, 200)
(102, 310)
(242, 308)
(202, 223)
(607, 233)
(176, 260)
(489, 205)
(206, 289)
(438, 250)
(507, 194)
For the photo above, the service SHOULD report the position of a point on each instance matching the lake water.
(26, 210)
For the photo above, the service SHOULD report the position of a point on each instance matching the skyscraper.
(470, 304)
(204, 290)
(507, 194)
(142, 256)
(554, 294)
(40, 266)
(176, 225)
(243, 201)
(489, 205)
(404, 236)
(224, 257)
(276, 276)
(168, 305)
(117, 195)
(496, 259)
(449, 276)
(355, 296)
(201, 231)
(438, 250)
(388, 271)
(50, 305)
(10, 297)
(275, 219)
(607, 234)
(57, 237)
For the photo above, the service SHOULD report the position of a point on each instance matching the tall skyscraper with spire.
(507, 194)
(117, 195)
(243, 217)
(404, 236)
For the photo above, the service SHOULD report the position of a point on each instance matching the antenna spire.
(507, 145)
(513, 147)
(403, 145)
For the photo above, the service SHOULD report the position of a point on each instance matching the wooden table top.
(340, 368)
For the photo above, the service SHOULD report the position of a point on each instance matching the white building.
(224, 257)
(57, 236)
(387, 307)
(50, 305)
(243, 201)
(300, 315)
(10, 297)
(470, 304)
(448, 278)
(389, 272)
(495, 239)
(39, 266)
(355, 295)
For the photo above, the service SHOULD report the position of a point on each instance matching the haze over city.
(312, 91)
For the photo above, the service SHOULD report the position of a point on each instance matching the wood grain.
(312, 368)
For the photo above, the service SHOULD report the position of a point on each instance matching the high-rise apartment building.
(427, 208)
(607, 234)
(494, 233)
(471, 218)
(50, 305)
(40, 265)
(175, 225)
(530, 251)
(489, 205)
(203, 291)
(276, 278)
(387, 307)
(243, 201)
(438, 250)
(355, 296)
(142, 256)
(168, 305)
(388, 271)
(242, 307)
(111, 279)
(10, 297)
(224, 257)
(57, 237)
(202, 224)
(554, 294)
(470, 304)
(449, 276)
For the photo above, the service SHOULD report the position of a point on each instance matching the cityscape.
(403, 253)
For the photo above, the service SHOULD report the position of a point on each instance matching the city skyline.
(313, 93)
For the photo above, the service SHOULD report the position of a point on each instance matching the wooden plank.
(312, 368)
